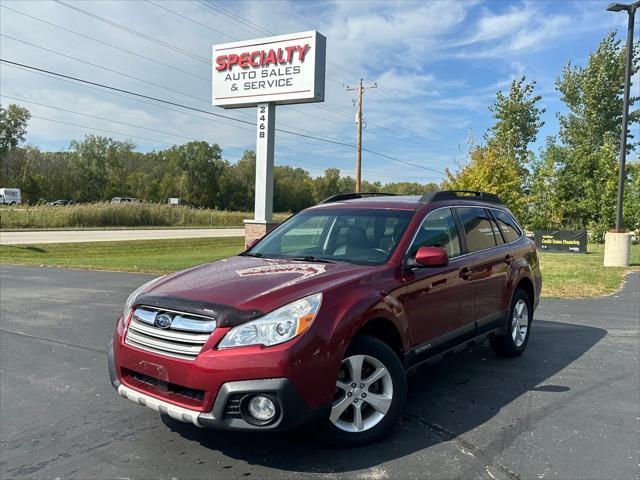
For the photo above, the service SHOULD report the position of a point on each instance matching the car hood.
(240, 288)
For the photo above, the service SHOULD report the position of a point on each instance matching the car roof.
(405, 202)
(397, 202)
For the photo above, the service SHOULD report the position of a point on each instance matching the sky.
(437, 64)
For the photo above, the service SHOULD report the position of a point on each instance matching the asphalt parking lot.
(568, 408)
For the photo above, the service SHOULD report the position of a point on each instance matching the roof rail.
(351, 196)
(455, 195)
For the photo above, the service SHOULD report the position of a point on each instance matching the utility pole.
(360, 89)
(631, 10)
(617, 243)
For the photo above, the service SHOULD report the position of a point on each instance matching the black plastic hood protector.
(225, 315)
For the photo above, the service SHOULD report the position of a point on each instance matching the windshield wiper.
(250, 254)
(311, 258)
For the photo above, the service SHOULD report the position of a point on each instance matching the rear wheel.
(515, 340)
(369, 396)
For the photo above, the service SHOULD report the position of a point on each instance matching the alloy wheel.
(364, 392)
(519, 323)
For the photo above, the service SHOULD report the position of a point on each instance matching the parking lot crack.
(492, 467)
(55, 342)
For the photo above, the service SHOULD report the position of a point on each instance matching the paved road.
(72, 236)
(568, 408)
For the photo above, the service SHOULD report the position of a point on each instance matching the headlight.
(132, 298)
(275, 327)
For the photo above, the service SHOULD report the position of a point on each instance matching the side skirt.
(456, 341)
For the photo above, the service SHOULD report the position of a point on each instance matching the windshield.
(349, 235)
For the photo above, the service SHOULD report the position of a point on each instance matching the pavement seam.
(56, 342)
(465, 447)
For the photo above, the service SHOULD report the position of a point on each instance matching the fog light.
(262, 408)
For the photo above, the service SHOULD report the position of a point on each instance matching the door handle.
(508, 259)
(465, 273)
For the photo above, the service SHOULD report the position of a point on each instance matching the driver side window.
(438, 229)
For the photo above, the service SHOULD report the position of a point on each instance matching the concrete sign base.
(617, 249)
(254, 230)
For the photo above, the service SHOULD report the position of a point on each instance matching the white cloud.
(412, 49)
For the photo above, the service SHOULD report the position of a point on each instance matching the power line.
(395, 97)
(100, 67)
(99, 129)
(100, 118)
(175, 104)
(303, 162)
(225, 12)
(238, 18)
(235, 18)
(73, 82)
(190, 19)
(135, 32)
(106, 43)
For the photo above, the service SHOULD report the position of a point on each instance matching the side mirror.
(432, 257)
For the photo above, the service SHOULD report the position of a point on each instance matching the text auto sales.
(275, 77)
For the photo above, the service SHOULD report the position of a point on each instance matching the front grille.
(183, 335)
(192, 393)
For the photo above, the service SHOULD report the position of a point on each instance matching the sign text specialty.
(282, 69)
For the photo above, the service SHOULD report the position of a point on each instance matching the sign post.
(263, 73)
(265, 143)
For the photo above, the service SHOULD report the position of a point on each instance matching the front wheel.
(370, 393)
(516, 337)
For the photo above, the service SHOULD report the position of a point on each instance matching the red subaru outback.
(319, 321)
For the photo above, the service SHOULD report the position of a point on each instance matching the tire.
(515, 340)
(389, 388)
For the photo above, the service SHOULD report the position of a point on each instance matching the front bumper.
(292, 409)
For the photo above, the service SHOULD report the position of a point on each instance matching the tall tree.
(590, 133)
(13, 128)
(501, 165)
(517, 117)
(490, 170)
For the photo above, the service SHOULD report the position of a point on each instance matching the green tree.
(192, 173)
(237, 184)
(501, 166)
(13, 127)
(490, 170)
(517, 117)
(329, 184)
(98, 163)
(545, 211)
(590, 133)
(632, 197)
(292, 189)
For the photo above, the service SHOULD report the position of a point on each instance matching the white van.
(10, 196)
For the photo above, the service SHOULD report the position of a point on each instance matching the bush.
(119, 215)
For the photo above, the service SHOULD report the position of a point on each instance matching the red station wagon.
(319, 321)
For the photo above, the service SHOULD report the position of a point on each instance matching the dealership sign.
(561, 240)
(281, 70)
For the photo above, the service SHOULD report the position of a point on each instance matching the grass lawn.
(564, 275)
(572, 275)
(145, 256)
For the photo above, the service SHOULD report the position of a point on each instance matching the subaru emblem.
(163, 321)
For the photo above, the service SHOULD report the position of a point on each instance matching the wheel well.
(386, 331)
(526, 285)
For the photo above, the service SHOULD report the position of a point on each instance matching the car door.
(433, 294)
(487, 265)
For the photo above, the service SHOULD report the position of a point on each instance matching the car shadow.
(445, 400)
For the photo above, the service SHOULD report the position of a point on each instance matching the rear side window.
(507, 226)
(479, 228)
(438, 230)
